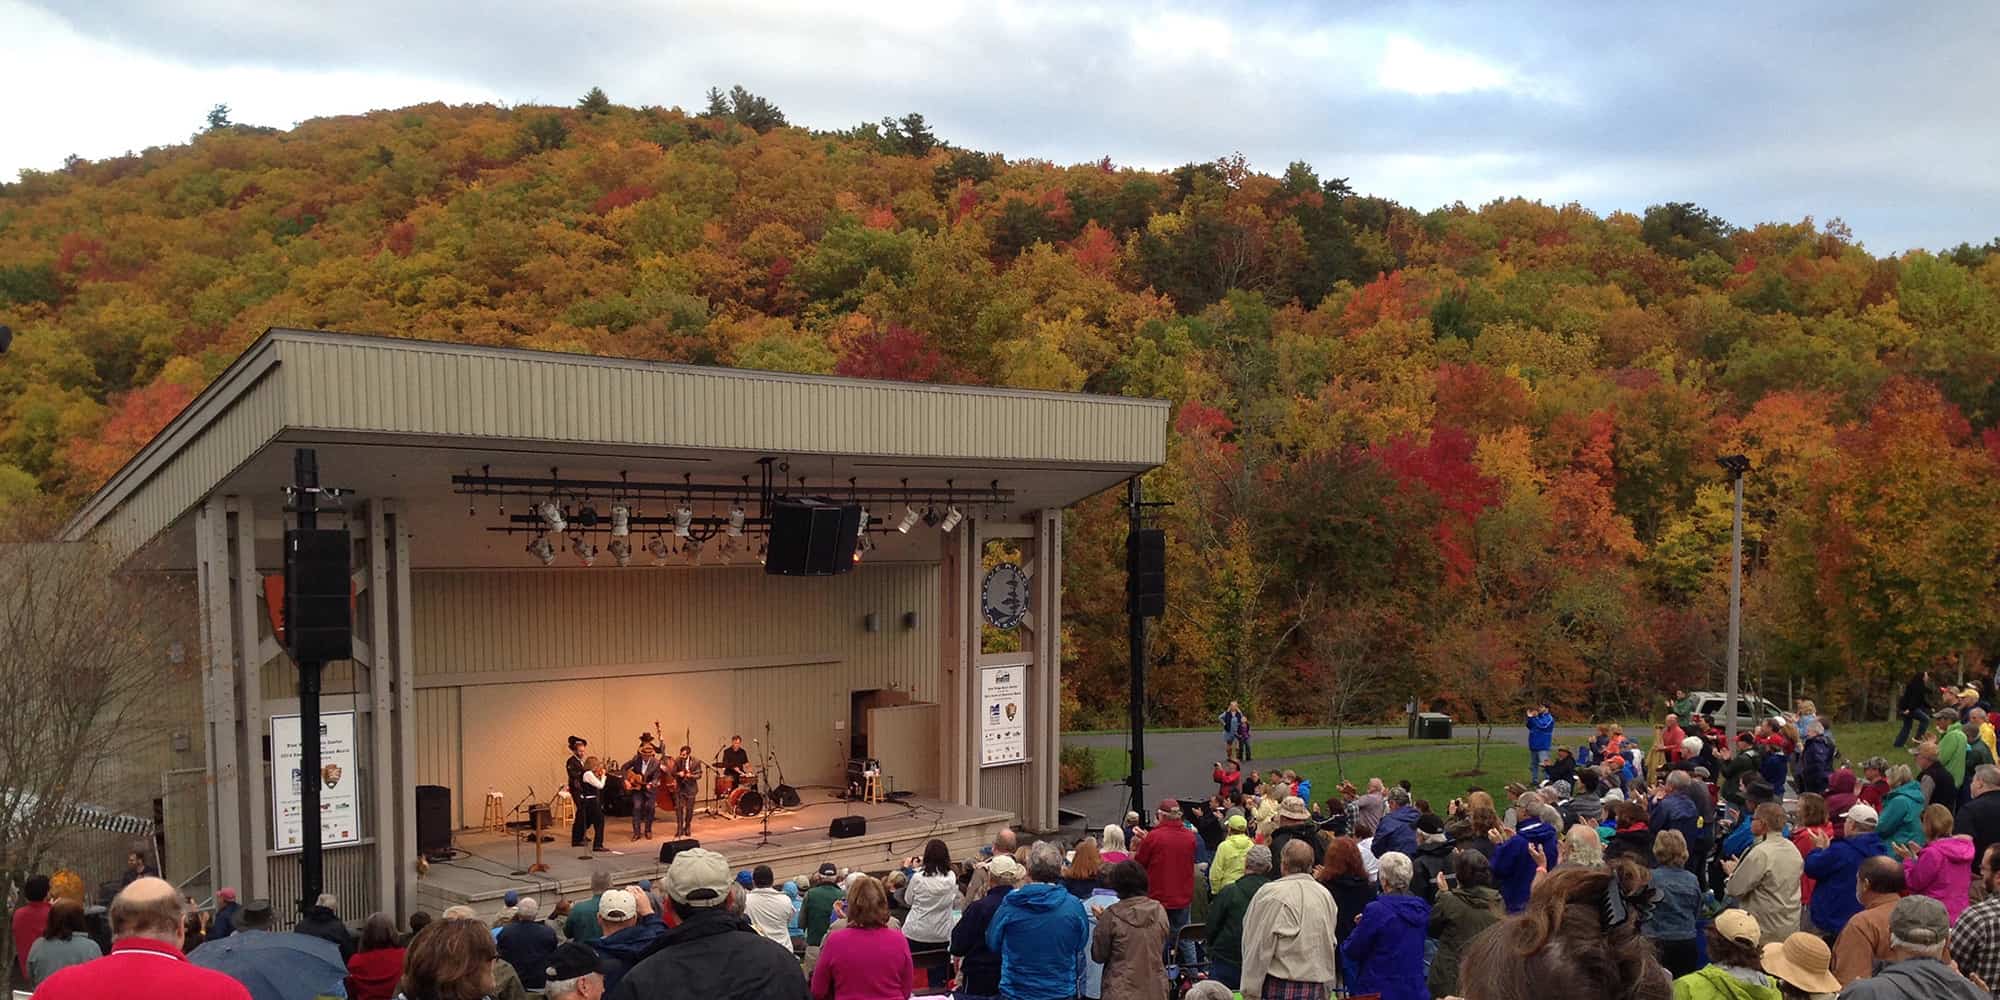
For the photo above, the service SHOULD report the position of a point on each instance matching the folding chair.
(1184, 974)
(928, 960)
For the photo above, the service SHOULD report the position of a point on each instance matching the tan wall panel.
(696, 709)
(802, 704)
(502, 622)
(438, 744)
(905, 740)
(515, 733)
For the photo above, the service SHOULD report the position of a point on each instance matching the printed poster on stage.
(339, 798)
(1003, 734)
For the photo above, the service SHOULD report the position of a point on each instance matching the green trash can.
(1433, 726)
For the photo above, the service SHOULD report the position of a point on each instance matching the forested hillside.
(1467, 451)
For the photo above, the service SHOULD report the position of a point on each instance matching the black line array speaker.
(672, 848)
(319, 603)
(847, 826)
(433, 819)
(1146, 572)
(812, 536)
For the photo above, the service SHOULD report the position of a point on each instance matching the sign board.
(1003, 728)
(339, 782)
(1003, 596)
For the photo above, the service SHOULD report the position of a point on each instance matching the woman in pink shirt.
(867, 959)
(1942, 868)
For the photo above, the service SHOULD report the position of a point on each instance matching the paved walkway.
(1181, 762)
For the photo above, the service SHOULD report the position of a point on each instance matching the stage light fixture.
(621, 550)
(585, 551)
(909, 520)
(931, 517)
(587, 516)
(552, 515)
(951, 519)
(621, 521)
(861, 530)
(736, 521)
(541, 549)
(693, 552)
(683, 520)
(657, 547)
(763, 552)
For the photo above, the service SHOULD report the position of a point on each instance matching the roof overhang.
(397, 418)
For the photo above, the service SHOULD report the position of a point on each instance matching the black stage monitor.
(812, 536)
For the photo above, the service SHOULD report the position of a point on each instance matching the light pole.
(1737, 466)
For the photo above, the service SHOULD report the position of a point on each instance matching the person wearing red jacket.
(146, 959)
(1167, 854)
(1228, 775)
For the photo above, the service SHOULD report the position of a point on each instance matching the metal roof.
(386, 391)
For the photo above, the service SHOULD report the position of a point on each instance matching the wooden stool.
(872, 792)
(496, 812)
(565, 811)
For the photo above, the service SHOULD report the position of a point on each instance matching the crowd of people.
(1695, 867)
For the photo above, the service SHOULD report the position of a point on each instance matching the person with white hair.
(574, 972)
(1288, 942)
(1815, 758)
(1111, 847)
(1386, 947)
(526, 943)
(979, 965)
(1040, 931)
(1524, 852)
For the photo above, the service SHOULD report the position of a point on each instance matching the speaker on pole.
(811, 536)
(319, 595)
(1146, 571)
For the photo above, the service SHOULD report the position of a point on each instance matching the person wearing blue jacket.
(1514, 867)
(979, 968)
(1040, 932)
(1541, 737)
(1386, 947)
(1834, 865)
(1398, 830)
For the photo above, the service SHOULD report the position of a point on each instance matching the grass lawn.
(1114, 764)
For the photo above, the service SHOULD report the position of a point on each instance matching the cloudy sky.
(1883, 115)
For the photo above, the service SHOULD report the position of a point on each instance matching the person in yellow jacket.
(1227, 865)
(1977, 719)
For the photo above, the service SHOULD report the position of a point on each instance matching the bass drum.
(746, 801)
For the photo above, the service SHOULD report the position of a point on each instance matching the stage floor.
(482, 872)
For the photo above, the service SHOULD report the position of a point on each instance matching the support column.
(248, 609)
(226, 850)
(1046, 754)
(402, 705)
(380, 658)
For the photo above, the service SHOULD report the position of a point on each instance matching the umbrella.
(276, 965)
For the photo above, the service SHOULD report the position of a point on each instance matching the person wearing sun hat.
(1734, 970)
(1227, 866)
(1802, 964)
(1295, 823)
(714, 953)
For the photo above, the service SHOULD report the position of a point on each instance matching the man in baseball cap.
(1837, 864)
(1915, 969)
(1167, 854)
(630, 929)
(574, 972)
(713, 954)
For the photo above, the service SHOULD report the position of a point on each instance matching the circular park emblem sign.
(1003, 596)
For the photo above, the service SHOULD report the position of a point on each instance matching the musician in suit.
(647, 767)
(736, 761)
(687, 781)
(578, 747)
(592, 812)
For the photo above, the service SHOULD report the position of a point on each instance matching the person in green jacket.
(1227, 865)
(1951, 744)
(1226, 913)
(816, 913)
(1464, 907)
(581, 924)
(1735, 969)
(1902, 809)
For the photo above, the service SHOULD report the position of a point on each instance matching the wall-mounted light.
(871, 622)
(909, 620)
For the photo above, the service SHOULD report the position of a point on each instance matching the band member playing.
(646, 771)
(736, 761)
(687, 782)
(578, 746)
(592, 811)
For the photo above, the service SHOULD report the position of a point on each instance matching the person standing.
(645, 798)
(1167, 855)
(1131, 938)
(1766, 878)
(1226, 913)
(979, 964)
(581, 922)
(575, 767)
(1677, 908)
(867, 959)
(64, 942)
(1975, 938)
(1979, 814)
(816, 913)
(1835, 864)
(1289, 947)
(1040, 932)
(1942, 867)
(322, 920)
(1735, 965)
(1232, 719)
(769, 909)
(1914, 707)
(932, 892)
(687, 782)
(526, 943)
(30, 919)
(1902, 809)
(1951, 745)
(1865, 939)
(1387, 946)
(377, 964)
(275, 965)
(1228, 864)
(1916, 966)
(146, 960)
(225, 914)
(712, 953)
(1462, 910)
(1541, 736)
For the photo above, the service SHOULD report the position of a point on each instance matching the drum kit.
(743, 795)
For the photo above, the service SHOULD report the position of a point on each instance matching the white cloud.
(1412, 67)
